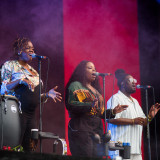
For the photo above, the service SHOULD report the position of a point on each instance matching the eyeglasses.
(132, 80)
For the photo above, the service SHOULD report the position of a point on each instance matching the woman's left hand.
(153, 110)
(54, 94)
(119, 108)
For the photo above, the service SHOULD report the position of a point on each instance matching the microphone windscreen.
(96, 73)
(138, 86)
(33, 55)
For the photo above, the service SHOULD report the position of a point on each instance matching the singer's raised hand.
(55, 95)
(154, 109)
(119, 108)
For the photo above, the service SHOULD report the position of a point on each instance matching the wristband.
(46, 95)
(133, 121)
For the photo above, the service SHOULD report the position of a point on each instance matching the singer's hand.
(55, 95)
(119, 108)
(95, 103)
(154, 109)
(28, 83)
(139, 121)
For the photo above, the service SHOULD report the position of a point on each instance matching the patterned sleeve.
(75, 100)
(6, 74)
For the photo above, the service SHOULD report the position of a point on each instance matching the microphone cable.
(155, 122)
(46, 82)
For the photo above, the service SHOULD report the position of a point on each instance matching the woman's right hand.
(28, 83)
(95, 104)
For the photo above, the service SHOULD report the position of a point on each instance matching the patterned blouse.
(12, 71)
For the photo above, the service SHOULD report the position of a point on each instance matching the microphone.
(34, 55)
(102, 74)
(144, 87)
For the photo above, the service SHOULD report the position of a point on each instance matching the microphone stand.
(104, 103)
(43, 135)
(148, 130)
(105, 133)
(40, 104)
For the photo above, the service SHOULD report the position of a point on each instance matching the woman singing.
(22, 80)
(85, 105)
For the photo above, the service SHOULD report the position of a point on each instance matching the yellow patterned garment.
(84, 95)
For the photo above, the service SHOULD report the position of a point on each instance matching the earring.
(18, 53)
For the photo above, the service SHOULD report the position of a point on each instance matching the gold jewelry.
(149, 118)
(112, 112)
(19, 53)
(133, 121)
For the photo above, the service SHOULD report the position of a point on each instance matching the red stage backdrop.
(104, 32)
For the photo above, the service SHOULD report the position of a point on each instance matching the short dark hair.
(120, 75)
(19, 43)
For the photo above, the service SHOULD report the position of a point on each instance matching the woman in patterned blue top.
(22, 80)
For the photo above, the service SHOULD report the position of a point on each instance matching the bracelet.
(133, 121)
(149, 118)
(113, 113)
(46, 95)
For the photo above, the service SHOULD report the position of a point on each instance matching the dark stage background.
(149, 48)
(42, 22)
(111, 33)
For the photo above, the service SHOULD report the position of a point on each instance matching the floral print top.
(12, 71)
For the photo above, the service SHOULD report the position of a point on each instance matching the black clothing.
(85, 120)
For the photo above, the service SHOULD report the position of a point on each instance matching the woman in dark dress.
(85, 105)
